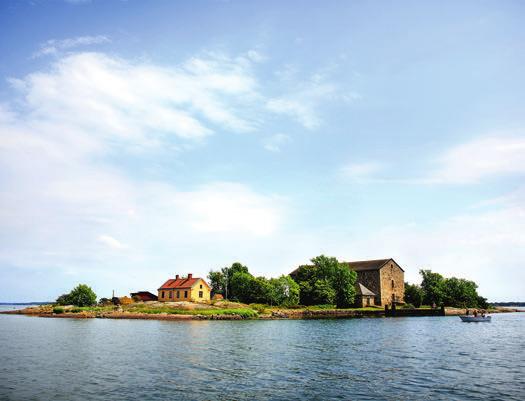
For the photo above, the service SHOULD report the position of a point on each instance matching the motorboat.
(472, 318)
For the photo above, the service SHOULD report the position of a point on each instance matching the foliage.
(58, 309)
(457, 292)
(221, 281)
(326, 282)
(283, 291)
(460, 293)
(433, 285)
(81, 295)
(63, 300)
(244, 287)
(105, 302)
(414, 294)
(76, 310)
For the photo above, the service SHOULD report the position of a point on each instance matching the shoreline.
(278, 314)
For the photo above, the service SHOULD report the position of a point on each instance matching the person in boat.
(475, 313)
(482, 313)
(468, 312)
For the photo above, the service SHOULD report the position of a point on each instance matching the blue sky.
(139, 140)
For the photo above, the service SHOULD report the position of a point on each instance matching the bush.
(408, 306)
(76, 310)
(81, 295)
(58, 309)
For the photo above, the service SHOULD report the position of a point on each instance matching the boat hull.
(474, 319)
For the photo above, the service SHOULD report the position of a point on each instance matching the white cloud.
(360, 171)
(303, 100)
(54, 46)
(275, 142)
(481, 158)
(111, 242)
(104, 100)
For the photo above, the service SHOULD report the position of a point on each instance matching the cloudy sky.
(143, 139)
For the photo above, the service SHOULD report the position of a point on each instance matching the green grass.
(245, 313)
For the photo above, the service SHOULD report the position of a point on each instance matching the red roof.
(180, 283)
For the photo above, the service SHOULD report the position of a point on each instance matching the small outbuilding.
(144, 296)
(363, 296)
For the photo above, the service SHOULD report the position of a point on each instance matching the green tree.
(433, 285)
(83, 295)
(63, 300)
(283, 291)
(413, 294)
(460, 293)
(242, 287)
(326, 281)
(343, 282)
(217, 282)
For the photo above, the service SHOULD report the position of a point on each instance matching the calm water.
(369, 359)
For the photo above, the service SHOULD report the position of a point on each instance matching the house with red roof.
(193, 289)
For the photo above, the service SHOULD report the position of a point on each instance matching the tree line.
(438, 290)
(325, 281)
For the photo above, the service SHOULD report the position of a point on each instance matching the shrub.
(408, 306)
(260, 308)
(75, 310)
(81, 295)
(58, 309)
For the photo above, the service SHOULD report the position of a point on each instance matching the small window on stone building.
(200, 294)
(392, 284)
(162, 294)
(185, 294)
(171, 294)
(178, 294)
(201, 286)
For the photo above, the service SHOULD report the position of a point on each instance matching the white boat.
(472, 318)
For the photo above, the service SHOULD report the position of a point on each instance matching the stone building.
(379, 282)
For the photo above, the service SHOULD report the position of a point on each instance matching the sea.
(409, 358)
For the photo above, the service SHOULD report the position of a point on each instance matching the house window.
(162, 294)
(201, 286)
(171, 294)
(200, 294)
(185, 294)
(392, 284)
(178, 294)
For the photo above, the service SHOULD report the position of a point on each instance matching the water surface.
(369, 359)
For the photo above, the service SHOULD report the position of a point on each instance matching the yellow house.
(193, 289)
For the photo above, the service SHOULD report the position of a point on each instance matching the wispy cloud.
(111, 242)
(481, 158)
(302, 100)
(275, 142)
(360, 171)
(54, 46)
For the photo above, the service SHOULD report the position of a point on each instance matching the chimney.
(176, 277)
(190, 275)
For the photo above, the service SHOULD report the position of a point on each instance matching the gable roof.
(181, 283)
(362, 265)
(362, 290)
(365, 265)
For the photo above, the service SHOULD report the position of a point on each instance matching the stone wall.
(392, 280)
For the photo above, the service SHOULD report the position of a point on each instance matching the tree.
(283, 291)
(460, 293)
(413, 294)
(217, 282)
(242, 286)
(82, 295)
(433, 285)
(63, 300)
(326, 281)
(343, 282)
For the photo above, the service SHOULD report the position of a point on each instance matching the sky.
(139, 140)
